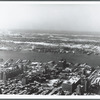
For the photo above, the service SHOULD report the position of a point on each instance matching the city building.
(5, 78)
(79, 90)
(71, 84)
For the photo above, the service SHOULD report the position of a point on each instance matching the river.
(92, 60)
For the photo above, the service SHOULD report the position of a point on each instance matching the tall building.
(1, 75)
(61, 64)
(71, 84)
(4, 77)
(85, 84)
(79, 90)
(24, 80)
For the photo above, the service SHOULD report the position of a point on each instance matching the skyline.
(53, 17)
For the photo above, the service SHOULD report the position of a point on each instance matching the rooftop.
(72, 80)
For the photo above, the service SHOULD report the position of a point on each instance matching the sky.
(57, 17)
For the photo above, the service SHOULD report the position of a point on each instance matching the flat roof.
(72, 80)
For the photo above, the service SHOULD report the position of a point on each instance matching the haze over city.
(57, 17)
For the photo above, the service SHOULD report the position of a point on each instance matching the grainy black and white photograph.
(49, 49)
